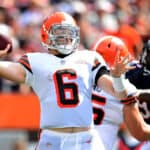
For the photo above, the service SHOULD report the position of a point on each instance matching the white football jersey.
(64, 86)
(108, 114)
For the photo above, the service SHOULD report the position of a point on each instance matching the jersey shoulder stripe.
(25, 62)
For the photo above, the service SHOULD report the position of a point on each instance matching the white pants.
(87, 140)
(108, 132)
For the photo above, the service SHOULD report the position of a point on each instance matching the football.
(4, 41)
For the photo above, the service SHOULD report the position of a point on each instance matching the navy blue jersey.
(139, 77)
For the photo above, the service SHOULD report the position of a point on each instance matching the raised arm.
(11, 70)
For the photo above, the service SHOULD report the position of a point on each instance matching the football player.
(63, 79)
(140, 77)
(110, 113)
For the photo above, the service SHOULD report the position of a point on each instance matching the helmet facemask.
(63, 37)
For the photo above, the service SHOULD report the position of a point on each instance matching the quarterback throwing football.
(63, 79)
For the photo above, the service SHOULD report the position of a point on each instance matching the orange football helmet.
(60, 32)
(108, 46)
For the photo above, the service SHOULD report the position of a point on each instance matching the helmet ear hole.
(109, 45)
(44, 36)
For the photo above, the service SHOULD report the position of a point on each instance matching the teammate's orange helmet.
(60, 32)
(108, 46)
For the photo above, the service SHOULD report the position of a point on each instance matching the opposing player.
(109, 113)
(140, 77)
(63, 79)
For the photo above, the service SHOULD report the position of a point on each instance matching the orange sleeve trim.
(129, 100)
(24, 61)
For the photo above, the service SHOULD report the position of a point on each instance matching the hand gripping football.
(4, 41)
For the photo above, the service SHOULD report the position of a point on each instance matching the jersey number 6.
(66, 91)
